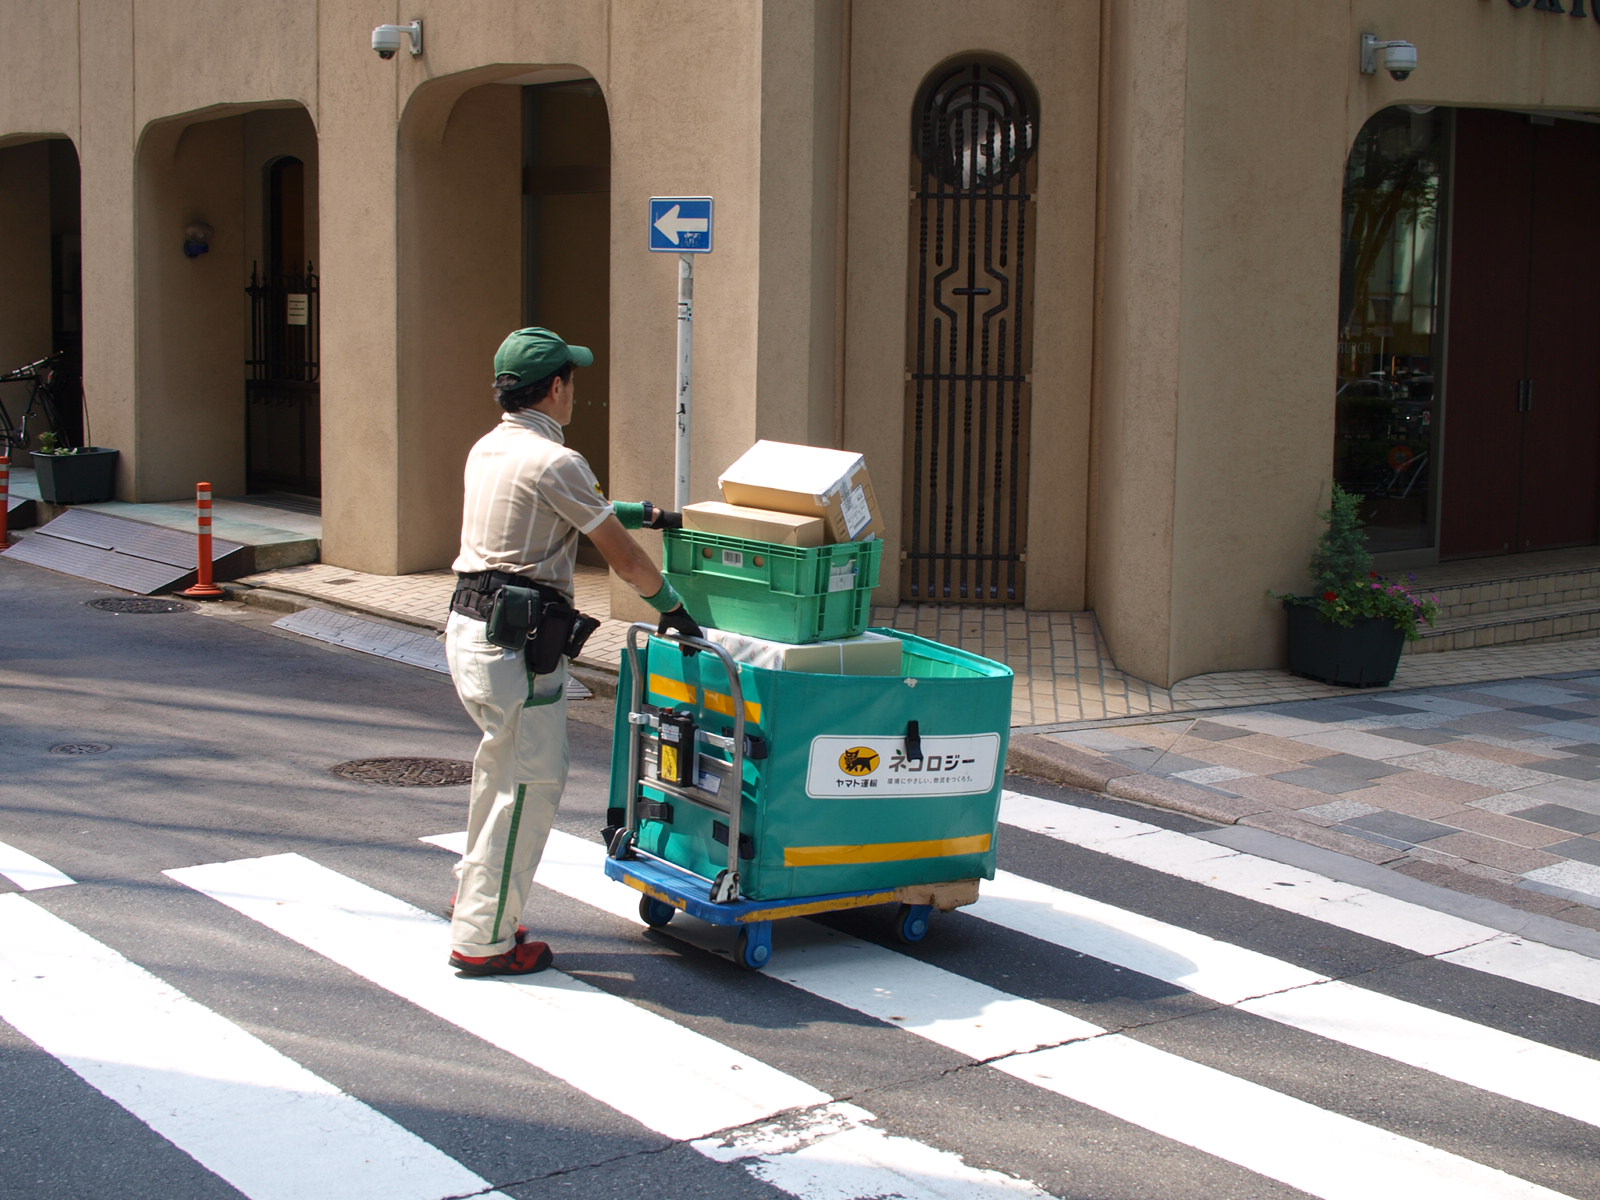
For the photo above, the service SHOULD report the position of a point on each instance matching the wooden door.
(1559, 499)
(1522, 407)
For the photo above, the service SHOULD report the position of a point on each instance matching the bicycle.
(41, 408)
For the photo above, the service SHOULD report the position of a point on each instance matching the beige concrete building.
(1107, 291)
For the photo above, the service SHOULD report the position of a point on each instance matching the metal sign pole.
(681, 225)
(685, 359)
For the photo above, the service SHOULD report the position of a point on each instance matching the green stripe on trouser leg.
(509, 864)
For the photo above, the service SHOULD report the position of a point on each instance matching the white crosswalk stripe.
(1322, 1153)
(687, 1087)
(271, 1128)
(29, 873)
(1292, 889)
(1256, 983)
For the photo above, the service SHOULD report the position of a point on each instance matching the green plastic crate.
(836, 805)
(793, 594)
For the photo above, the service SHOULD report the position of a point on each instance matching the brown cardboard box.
(809, 481)
(868, 654)
(764, 525)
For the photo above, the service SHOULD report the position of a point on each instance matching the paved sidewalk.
(1491, 788)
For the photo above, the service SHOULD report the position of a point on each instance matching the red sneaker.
(522, 959)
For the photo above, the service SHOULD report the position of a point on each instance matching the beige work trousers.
(518, 774)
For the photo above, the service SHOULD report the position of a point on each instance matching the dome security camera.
(1399, 59)
(387, 39)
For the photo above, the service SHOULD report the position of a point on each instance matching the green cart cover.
(841, 801)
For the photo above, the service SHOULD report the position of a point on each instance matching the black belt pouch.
(513, 617)
(540, 624)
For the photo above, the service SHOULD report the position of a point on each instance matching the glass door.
(1389, 325)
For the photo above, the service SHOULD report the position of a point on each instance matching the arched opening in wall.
(1468, 402)
(504, 203)
(283, 390)
(41, 306)
(212, 329)
(566, 247)
(969, 349)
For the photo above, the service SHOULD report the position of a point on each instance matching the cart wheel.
(754, 949)
(911, 923)
(621, 844)
(655, 913)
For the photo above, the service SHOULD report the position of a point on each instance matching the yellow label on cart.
(883, 852)
(721, 702)
(671, 768)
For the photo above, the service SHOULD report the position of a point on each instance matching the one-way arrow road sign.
(681, 224)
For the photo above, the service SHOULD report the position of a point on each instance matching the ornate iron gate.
(283, 420)
(970, 345)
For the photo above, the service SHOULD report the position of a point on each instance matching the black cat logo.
(859, 760)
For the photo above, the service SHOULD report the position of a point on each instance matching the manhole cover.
(141, 604)
(80, 748)
(406, 772)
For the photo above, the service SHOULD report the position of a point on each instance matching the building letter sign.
(1554, 6)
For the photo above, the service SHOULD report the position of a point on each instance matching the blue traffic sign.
(681, 224)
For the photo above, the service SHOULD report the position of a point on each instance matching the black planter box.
(87, 477)
(1365, 654)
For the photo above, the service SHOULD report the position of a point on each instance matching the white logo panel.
(949, 766)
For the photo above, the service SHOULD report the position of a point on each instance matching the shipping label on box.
(807, 481)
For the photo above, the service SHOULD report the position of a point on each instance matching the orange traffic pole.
(5, 500)
(204, 589)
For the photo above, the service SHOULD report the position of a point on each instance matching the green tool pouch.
(513, 617)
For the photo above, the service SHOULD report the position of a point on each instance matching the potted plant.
(86, 475)
(1353, 625)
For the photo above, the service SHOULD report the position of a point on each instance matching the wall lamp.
(387, 39)
(197, 238)
(1399, 58)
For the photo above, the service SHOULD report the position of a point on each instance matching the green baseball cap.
(531, 354)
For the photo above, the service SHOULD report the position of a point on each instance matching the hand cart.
(693, 776)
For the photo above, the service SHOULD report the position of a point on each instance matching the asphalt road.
(222, 974)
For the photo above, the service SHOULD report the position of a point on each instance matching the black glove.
(661, 518)
(680, 622)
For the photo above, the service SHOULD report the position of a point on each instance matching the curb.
(597, 677)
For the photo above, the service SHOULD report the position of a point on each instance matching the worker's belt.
(519, 614)
(476, 590)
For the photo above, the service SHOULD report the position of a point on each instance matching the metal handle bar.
(726, 887)
(30, 371)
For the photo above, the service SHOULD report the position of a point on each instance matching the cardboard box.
(809, 481)
(868, 654)
(764, 525)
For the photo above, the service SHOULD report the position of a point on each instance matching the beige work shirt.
(528, 497)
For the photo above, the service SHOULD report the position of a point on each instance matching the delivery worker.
(528, 497)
